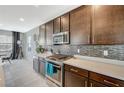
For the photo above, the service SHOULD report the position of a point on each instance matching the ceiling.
(22, 18)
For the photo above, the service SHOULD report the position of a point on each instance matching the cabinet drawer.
(76, 70)
(109, 81)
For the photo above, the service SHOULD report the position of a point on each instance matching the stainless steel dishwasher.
(41, 66)
(36, 64)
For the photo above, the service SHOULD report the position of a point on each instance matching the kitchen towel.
(49, 69)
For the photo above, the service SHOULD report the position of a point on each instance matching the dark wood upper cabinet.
(102, 24)
(61, 24)
(65, 22)
(108, 24)
(80, 20)
(57, 25)
(42, 34)
(49, 33)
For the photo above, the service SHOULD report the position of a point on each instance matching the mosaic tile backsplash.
(114, 51)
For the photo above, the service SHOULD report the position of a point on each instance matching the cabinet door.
(49, 33)
(95, 84)
(65, 23)
(74, 80)
(106, 80)
(80, 25)
(42, 34)
(42, 67)
(108, 24)
(36, 65)
(57, 25)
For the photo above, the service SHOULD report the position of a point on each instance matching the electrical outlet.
(105, 52)
(78, 50)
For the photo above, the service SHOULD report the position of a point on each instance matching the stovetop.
(59, 57)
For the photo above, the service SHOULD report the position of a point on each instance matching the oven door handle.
(57, 66)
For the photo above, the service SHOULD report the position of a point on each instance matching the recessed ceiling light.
(22, 19)
(36, 6)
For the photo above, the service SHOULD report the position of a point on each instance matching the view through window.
(5, 42)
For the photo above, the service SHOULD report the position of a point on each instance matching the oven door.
(54, 73)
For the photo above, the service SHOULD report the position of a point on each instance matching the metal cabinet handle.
(85, 83)
(74, 70)
(91, 84)
(88, 38)
(109, 82)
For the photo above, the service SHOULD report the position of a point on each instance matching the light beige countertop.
(1, 77)
(105, 68)
(43, 55)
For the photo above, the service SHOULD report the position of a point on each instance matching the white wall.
(24, 38)
(29, 54)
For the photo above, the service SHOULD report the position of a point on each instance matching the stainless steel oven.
(61, 38)
(54, 68)
(54, 72)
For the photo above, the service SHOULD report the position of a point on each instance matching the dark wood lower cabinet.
(77, 77)
(74, 80)
(42, 67)
(106, 80)
(96, 84)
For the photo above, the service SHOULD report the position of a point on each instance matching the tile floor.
(21, 74)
